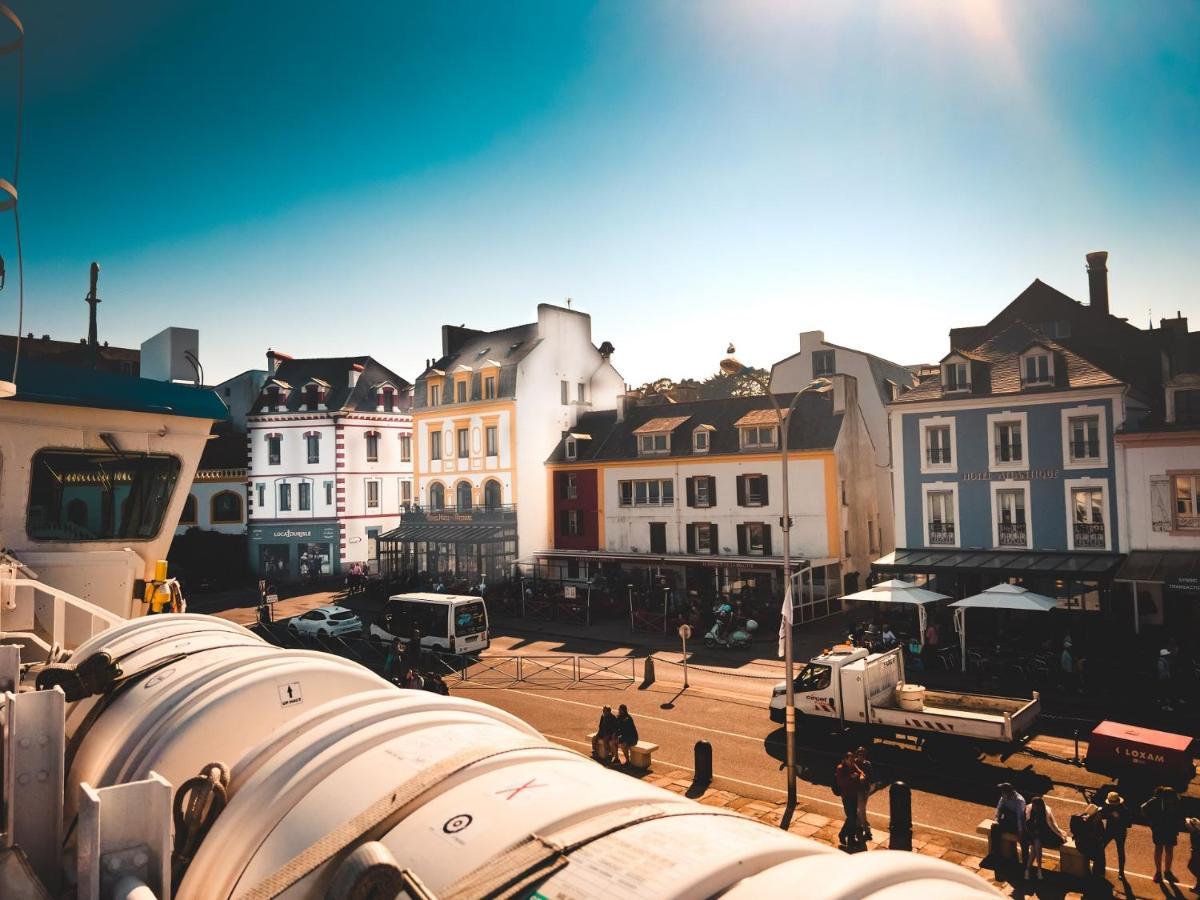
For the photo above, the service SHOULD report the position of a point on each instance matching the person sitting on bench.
(627, 734)
(604, 744)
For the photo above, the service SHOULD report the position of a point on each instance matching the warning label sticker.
(289, 694)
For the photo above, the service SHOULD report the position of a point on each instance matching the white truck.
(867, 692)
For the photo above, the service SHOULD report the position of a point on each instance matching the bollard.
(703, 764)
(900, 809)
(648, 672)
(1076, 746)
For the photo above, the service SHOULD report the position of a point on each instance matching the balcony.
(450, 514)
(938, 456)
(1013, 534)
(1089, 535)
(941, 534)
(1081, 450)
(1008, 453)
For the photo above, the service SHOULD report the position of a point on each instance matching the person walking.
(1192, 826)
(865, 789)
(604, 744)
(1117, 819)
(1040, 831)
(627, 733)
(392, 661)
(1162, 671)
(1010, 815)
(847, 777)
(1163, 815)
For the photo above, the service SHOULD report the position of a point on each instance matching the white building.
(217, 498)
(880, 381)
(330, 464)
(486, 414)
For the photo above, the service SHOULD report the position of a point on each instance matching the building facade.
(329, 444)
(217, 498)
(689, 496)
(486, 414)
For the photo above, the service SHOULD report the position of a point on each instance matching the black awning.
(1160, 566)
(449, 533)
(999, 562)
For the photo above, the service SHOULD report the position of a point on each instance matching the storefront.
(294, 552)
(1161, 589)
(478, 545)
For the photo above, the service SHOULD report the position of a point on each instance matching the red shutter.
(691, 491)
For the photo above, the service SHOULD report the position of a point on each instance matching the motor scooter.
(738, 637)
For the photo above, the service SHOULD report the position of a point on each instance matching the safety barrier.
(559, 672)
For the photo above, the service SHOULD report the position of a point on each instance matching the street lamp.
(731, 366)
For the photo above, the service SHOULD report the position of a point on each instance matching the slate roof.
(815, 426)
(475, 349)
(997, 369)
(226, 449)
(44, 382)
(335, 371)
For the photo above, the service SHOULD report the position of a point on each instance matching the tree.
(747, 383)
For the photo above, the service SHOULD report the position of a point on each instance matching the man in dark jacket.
(604, 744)
(627, 735)
(847, 781)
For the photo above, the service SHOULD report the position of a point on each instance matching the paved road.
(950, 795)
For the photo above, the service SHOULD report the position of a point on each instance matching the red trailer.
(1144, 754)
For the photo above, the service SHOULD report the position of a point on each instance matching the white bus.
(450, 623)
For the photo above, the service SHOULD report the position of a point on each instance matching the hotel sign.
(1018, 475)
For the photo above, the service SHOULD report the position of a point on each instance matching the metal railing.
(941, 533)
(1085, 450)
(50, 619)
(559, 672)
(1089, 536)
(1009, 453)
(938, 455)
(451, 514)
(1012, 534)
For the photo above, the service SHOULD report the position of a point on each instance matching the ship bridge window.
(125, 495)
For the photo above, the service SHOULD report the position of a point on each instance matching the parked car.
(327, 621)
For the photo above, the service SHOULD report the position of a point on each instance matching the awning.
(680, 559)
(1160, 566)
(453, 533)
(1004, 563)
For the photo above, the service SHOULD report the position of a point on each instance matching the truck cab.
(818, 685)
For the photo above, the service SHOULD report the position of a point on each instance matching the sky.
(342, 179)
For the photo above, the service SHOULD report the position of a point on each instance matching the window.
(658, 537)
(570, 489)
(435, 395)
(656, 492)
(78, 514)
(464, 443)
(435, 445)
(565, 392)
(955, 377)
(871, 545)
(654, 444)
(460, 391)
(312, 442)
(1038, 369)
(437, 496)
(490, 436)
(372, 494)
(1011, 530)
(572, 450)
(389, 401)
(492, 494)
(1187, 406)
(814, 678)
(406, 448)
(1007, 443)
(372, 446)
(406, 493)
(700, 440)
(329, 493)
(752, 490)
(285, 497)
(702, 538)
(1087, 504)
(937, 445)
(312, 396)
(701, 491)
(823, 363)
(273, 398)
(262, 493)
(131, 490)
(304, 495)
(1085, 438)
(489, 387)
(273, 449)
(570, 523)
(940, 517)
(226, 507)
(846, 544)
(845, 502)
(758, 438)
(581, 392)
(754, 539)
(1185, 504)
(462, 495)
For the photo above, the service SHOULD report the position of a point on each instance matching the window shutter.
(765, 499)
(712, 492)
(741, 491)
(562, 485)
(563, 522)
(741, 534)
(766, 540)
(690, 484)
(714, 546)
(691, 534)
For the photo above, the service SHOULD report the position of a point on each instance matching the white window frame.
(995, 464)
(405, 447)
(697, 434)
(491, 440)
(1193, 474)
(924, 425)
(572, 487)
(707, 526)
(757, 444)
(406, 492)
(435, 437)
(1035, 353)
(572, 449)
(367, 482)
(1079, 412)
(961, 388)
(995, 488)
(936, 487)
(1072, 484)
(573, 529)
(707, 481)
(368, 438)
(652, 438)
(435, 395)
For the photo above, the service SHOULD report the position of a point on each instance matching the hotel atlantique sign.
(1019, 475)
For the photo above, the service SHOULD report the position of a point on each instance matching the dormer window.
(760, 437)
(572, 449)
(385, 398)
(273, 397)
(701, 441)
(654, 437)
(823, 363)
(654, 444)
(1037, 368)
(435, 395)
(314, 395)
(460, 390)
(956, 377)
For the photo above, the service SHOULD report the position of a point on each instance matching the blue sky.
(333, 181)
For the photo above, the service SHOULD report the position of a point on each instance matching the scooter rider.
(724, 612)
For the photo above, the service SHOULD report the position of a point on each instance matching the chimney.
(272, 362)
(1097, 270)
(355, 370)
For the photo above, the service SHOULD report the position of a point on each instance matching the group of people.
(616, 735)
(1034, 826)
(356, 577)
(402, 667)
(854, 782)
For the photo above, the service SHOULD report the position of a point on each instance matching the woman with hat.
(1117, 819)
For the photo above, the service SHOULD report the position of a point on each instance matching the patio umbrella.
(1002, 596)
(900, 592)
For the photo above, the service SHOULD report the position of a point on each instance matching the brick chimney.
(356, 369)
(1097, 270)
(274, 357)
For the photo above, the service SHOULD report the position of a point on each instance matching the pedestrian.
(627, 734)
(888, 637)
(1040, 831)
(1116, 817)
(1163, 815)
(604, 744)
(1010, 813)
(1192, 826)
(847, 777)
(413, 680)
(865, 788)
(1066, 665)
(1162, 671)
(392, 661)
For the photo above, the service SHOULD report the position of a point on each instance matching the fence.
(559, 672)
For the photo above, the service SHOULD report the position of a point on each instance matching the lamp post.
(731, 366)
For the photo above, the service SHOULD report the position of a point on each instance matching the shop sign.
(1023, 475)
(293, 533)
(1186, 585)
